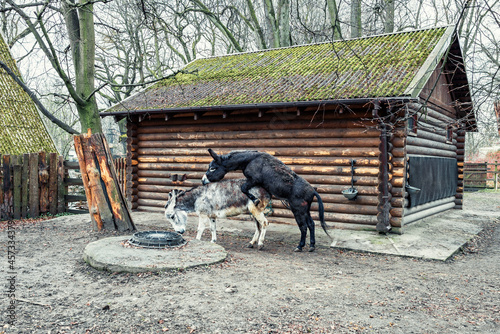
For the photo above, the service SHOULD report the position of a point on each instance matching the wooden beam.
(61, 187)
(34, 202)
(24, 186)
(53, 183)
(17, 186)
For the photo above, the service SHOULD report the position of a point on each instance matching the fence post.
(496, 175)
(43, 179)
(53, 183)
(24, 185)
(61, 188)
(1, 188)
(34, 202)
(5, 202)
(17, 186)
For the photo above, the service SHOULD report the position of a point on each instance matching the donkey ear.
(215, 156)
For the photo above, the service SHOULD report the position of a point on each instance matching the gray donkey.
(218, 200)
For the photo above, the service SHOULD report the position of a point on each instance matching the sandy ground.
(269, 291)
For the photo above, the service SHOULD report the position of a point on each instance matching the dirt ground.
(269, 291)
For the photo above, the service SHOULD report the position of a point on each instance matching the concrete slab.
(434, 238)
(110, 254)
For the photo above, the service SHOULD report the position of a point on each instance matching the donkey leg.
(310, 225)
(201, 226)
(213, 229)
(264, 224)
(257, 231)
(245, 188)
(260, 225)
(301, 220)
(255, 237)
(303, 234)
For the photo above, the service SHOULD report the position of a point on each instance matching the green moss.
(21, 128)
(365, 67)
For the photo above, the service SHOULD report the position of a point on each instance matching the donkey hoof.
(312, 249)
(298, 249)
(261, 247)
(250, 246)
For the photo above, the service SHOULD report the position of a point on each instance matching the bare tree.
(79, 20)
(333, 10)
(388, 15)
(355, 18)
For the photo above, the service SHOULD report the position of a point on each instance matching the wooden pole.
(107, 204)
(34, 202)
(496, 175)
(53, 183)
(24, 185)
(7, 187)
(43, 177)
(61, 188)
(16, 170)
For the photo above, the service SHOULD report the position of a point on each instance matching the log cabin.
(385, 116)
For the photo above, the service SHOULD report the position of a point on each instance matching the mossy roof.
(21, 128)
(392, 65)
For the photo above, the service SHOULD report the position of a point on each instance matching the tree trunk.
(107, 205)
(355, 18)
(81, 33)
(334, 19)
(284, 23)
(389, 16)
(271, 23)
(259, 33)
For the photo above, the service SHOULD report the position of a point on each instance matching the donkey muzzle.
(205, 179)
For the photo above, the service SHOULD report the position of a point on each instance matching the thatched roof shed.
(21, 128)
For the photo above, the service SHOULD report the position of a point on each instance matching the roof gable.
(21, 128)
(391, 65)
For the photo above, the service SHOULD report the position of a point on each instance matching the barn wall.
(318, 144)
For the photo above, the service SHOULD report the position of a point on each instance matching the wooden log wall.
(430, 140)
(171, 152)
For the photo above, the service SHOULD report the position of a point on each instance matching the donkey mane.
(237, 159)
(184, 192)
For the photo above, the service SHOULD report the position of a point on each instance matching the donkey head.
(216, 170)
(176, 217)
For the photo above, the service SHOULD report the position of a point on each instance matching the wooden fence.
(481, 176)
(37, 184)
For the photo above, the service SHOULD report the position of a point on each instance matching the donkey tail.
(321, 210)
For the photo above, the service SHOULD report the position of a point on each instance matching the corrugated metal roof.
(379, 66)
(21, 129)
